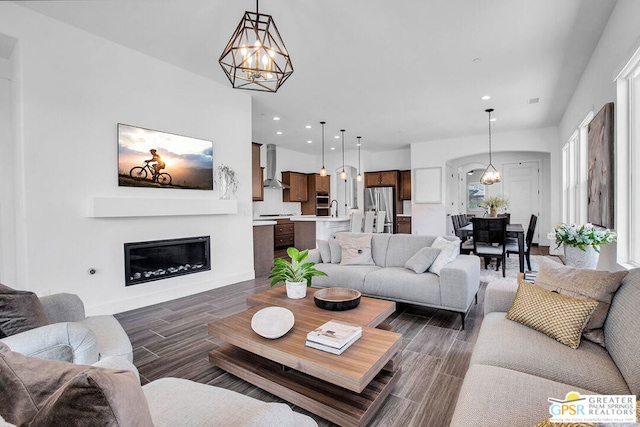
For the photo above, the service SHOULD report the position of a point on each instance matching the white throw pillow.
(449, 251)
(422, 260)
(355, 250)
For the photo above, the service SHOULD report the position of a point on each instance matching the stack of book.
(334, 336)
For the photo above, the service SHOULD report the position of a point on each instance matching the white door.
(521, 182)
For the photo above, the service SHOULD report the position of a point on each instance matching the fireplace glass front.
(161, 259)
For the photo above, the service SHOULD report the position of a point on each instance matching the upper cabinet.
(297, 183)
(405, 185)
(381, 179)
(318, 192)
(257, 172)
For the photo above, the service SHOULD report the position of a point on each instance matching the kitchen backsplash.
(273, 204)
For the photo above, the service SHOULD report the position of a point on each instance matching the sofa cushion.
(400, 284)
(492, 395)
(379, 244)
(112, 339)
(422, 260)
(325, 250)
(403, 246)
(355, 250)
(582, 283)
(43, 385)
(450, 249)
(178, 402)
(621, 330)
(512, 345)
(561, 317)
(19, 311)
(346, 276)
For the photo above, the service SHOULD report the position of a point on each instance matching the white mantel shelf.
(123, 207)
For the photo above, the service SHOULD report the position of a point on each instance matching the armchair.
(71, 336)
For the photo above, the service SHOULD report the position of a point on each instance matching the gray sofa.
(172, 402)
(454, 290)
(71, 336)
(515, 369)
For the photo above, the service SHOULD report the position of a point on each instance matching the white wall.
(69, 91)
(439, 153)
(596, 87)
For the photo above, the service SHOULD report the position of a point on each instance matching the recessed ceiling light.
(337, 137)
(276, 118)
(279, 133)
(486, 97)
(308, 126)
(309, 141)
(358, 144)
(493, 119)
(333, 148)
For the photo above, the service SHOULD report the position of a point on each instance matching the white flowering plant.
(582, 236)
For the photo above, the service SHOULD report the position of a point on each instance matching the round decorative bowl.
(272, 322)
(337, 299)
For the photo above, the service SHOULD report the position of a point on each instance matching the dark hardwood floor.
(170, 340)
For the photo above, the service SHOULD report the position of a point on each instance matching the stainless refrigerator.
(382, 199)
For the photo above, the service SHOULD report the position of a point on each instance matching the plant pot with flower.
(581, 243)
(494, 204)
(296, 274)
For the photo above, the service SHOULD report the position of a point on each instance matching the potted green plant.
(494, 203)
(581, 243)
(296, 274)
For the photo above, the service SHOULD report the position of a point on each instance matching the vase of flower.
(227, 181)
(581, 243)
(581, 258)
(494, 204)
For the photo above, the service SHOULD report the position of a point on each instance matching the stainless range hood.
(271, 181)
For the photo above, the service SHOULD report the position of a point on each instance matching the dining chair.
(512, 243)
(356, 222)
(466, 244)
(369, 216)
(489, 240)
(379, 227)
(505, 215)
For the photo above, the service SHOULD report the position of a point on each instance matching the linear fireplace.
(161, 259)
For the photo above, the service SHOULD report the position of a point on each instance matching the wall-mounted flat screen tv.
(154, 159)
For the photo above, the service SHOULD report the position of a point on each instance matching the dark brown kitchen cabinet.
(257, 180)
(284, 233)
(405, 185)
(381, 179)
(297, 187)
(404, 224)
(318, 195)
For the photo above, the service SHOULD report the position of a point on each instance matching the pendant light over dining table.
(491, 174)
(255, 57)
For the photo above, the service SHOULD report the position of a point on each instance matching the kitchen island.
(325, 225)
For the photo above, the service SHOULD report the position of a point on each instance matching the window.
(628, 162)
(574, 175)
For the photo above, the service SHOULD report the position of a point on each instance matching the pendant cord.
(323, 123)
(342, 149)
(257, 7)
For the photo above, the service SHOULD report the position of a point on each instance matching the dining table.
(513, 230)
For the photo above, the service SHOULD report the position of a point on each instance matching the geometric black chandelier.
(255, 57)
(491, 174)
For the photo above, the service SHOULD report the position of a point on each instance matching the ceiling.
(394, 72)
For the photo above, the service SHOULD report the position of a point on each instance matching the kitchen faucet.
(331, 207)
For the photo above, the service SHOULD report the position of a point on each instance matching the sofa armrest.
(63, 308)
(499, 295)
(67, 342)
(115, 362)
(314, 256)
(459, 282)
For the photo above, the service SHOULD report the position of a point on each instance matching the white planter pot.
(296, 290)
(575, 257)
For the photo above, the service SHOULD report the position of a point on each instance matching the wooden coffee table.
(347, 389)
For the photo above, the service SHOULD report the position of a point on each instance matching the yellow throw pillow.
(559, 316)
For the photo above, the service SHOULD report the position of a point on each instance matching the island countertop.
(315, 218)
